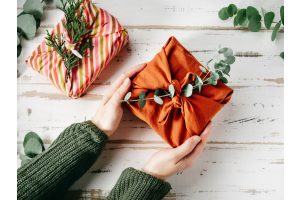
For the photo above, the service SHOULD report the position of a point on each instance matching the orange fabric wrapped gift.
(179, 117)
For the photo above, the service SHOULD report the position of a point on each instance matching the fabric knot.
(72, 47)
(177, 101)
(177, 87)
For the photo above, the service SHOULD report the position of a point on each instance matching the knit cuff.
(135, 184)
(94, 128)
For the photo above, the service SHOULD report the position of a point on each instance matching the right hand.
(170, 161)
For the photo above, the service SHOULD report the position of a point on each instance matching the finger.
(120, 93)
(186, 148)
(118, 82)
(199, 148)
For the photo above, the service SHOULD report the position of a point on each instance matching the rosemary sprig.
(76, 27)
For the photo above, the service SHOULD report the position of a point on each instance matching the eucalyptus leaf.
(231, 10)
(209, 61)
(157, 92)
(216, 58)
(18, 40)
(230, 60)
(172, 90)
(282, 14)
(37, 21)
(30, 135)
(24, 162)
(188, 90)
(198, 82)
(26, 26)
(127, 96)
(33, 7)
(254, 23)
(223, 14)
(282, 55)
(209, 81)
(275, 30)
(142, 100)
(224, 80)
(223, 50)
(226, 70)
(219, 66)
(229, 52)
(235, 22)
(203, 69)
(241, 18)
(251, 11)
(158, 100)
(214, 82)
(57, 3)
(220, 74)
(19, 50)
(33, 147)
(24, 157)
(269, 17)
(214, 76)
(263, 11)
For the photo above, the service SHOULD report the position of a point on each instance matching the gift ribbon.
(73, 47)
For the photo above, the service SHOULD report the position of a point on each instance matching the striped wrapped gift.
(108, 38)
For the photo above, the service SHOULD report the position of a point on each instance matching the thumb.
(187, 147)
(120, 93)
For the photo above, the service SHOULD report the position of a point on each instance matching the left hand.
(110, 111)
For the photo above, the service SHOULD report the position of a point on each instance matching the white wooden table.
(244, 156)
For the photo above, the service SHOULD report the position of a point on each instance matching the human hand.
(110, 111)
(170, 161)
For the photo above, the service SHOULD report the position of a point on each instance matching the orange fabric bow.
(179, 117)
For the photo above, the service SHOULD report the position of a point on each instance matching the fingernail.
(196, 139)
(126, 82)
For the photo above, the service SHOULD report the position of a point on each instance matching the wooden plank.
(168, 13)
(254, 115)
(222, 171)
(257, 60)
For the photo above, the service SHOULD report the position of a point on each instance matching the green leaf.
(231, 10)
(269, 17)
(255, 24)
(158, 100)
(220, 74)
(188, 90)
(282, 14)
(57, 3)
(275, 30)
(157, 92)
(203, 69)
(224, 80)
(24, 157)
(227, 70)
(209, 81)
(235, 22)
(230, 60)
(251, 11)
(263, 11)
(198, 82)
(26, 26)
(223, 14)
(241, 18)
(127, 96)
(142, 100)
(30, 135)
(33, 7)
(229, 52)
(209, 61)
(219, 65)
(172, 90)
(214, 82)
(37, 21)
(33, 147)
(282, 55)
(19, 50)
(223, 50)
(216, 58)
(214, 76)
(18, 40)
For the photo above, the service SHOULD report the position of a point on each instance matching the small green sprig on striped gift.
(76, 27)
(221, 67)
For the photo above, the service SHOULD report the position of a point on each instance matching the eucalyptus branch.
(221, 68)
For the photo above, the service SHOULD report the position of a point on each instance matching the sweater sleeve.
(51, 173)
(137, 185)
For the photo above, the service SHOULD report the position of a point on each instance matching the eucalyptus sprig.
(76, 27)
(221, 67)
(251, 18)
(33, 145)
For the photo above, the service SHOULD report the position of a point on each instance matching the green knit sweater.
(50, 174)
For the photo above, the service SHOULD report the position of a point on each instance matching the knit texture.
(51, 173)
(137, 185)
